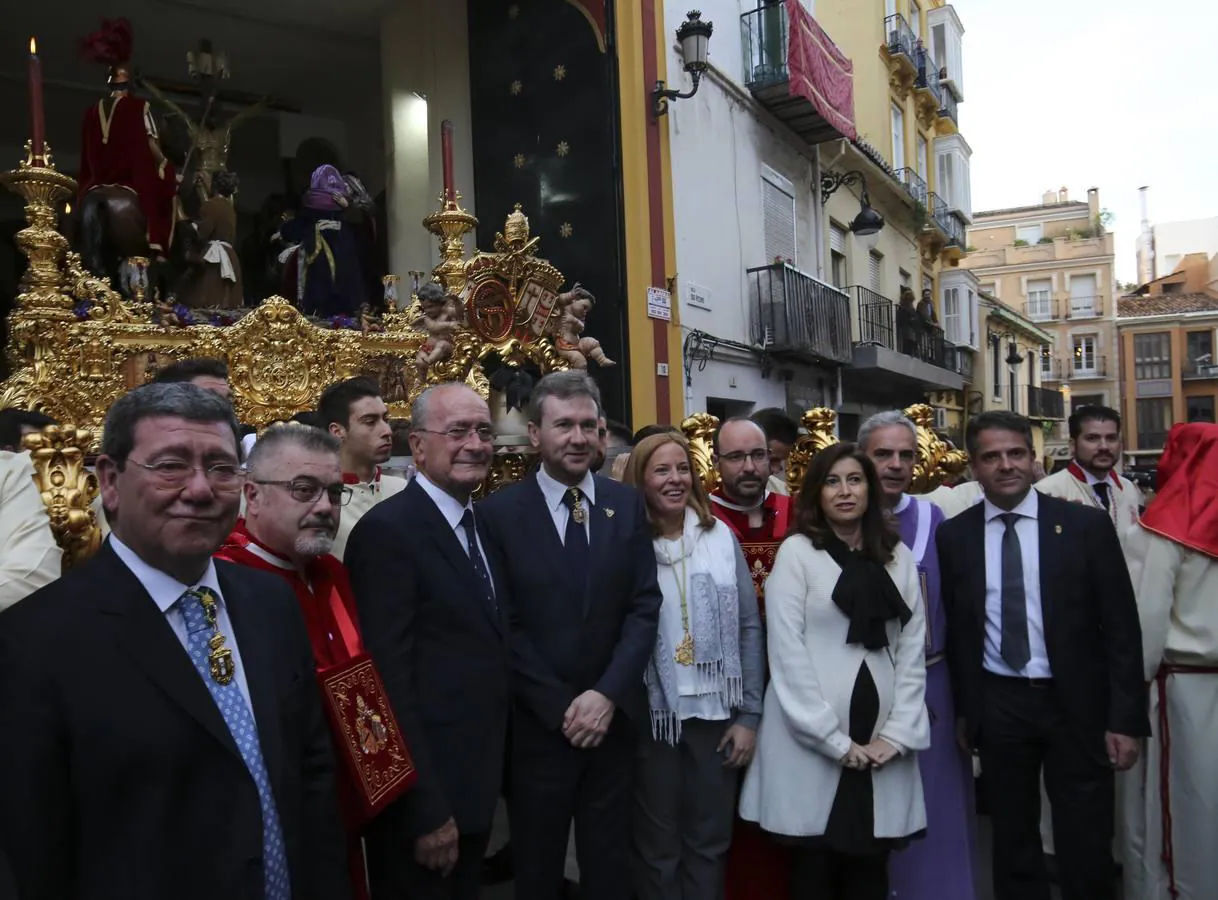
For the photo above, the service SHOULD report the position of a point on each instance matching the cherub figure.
(440, 319)
(369, 323)
(573, 307)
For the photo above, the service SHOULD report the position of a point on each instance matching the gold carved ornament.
(68, 488)
(699, 429)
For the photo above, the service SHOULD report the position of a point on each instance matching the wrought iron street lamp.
(694, 38)
(868, 221)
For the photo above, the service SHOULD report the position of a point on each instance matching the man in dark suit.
(581, 570)
(1045, 653)
(161, 731)
(431, 611)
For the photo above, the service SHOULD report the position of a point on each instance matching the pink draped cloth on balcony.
(818, 71)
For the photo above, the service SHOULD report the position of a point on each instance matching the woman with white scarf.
(704, 683)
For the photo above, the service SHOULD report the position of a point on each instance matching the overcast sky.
(1113, 95)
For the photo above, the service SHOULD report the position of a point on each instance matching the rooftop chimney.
(1063, 195)
(1093, 204)
(1048, 197)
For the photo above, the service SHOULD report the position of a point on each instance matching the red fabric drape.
(1186, 507)
(818, 71)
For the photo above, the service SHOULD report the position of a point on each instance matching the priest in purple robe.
(942, 866)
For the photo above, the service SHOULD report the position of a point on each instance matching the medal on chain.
(220, 663)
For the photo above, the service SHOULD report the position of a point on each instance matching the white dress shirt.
(1028, 531)
(453, 512)
(165, 591)
(554, 491)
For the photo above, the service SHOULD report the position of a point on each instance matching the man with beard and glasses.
(355, 413)
(294, 495)
(577, 549)
(757, 868)
(433, 605)
(941, 866)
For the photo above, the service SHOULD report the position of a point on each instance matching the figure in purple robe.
(941, 866)
(329, 281)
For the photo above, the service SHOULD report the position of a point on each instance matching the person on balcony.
(908, 324)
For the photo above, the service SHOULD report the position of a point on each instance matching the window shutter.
(779, 211)
(873, 270)
(837, 239)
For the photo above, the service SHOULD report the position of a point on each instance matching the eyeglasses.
(759, 457)
(485, 433)
(176, 473)
(305, 490)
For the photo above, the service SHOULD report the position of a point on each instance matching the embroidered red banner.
(818, 71)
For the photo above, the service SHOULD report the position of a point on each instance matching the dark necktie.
(1101, 491)
(476, 560)
(1015, 650)
(575, 538)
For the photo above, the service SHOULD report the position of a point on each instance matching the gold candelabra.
(450, 223)
(44, 190)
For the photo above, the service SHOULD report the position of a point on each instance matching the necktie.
(240, 722)
(1015, 650)
(1101, 491)
(575, 539)
(475, 558)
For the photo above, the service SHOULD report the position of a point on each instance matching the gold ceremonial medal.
(579, 512)
(220, 660)
(608, 514)
(685, 651)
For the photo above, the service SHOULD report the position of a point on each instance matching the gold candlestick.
(450, 224)
(44, 189)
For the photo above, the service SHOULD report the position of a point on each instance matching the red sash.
(366, 733)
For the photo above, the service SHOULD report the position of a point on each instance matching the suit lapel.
(445, 540)
(254, 642)
(1051, 534)
(602, 528)
(146, 637)
(976, 572)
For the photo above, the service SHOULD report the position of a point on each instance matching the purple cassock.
(941, 865)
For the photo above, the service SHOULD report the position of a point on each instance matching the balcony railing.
(1052, 371)
(960, 360)
(900, 37)
(765, 43)
(1045, 404)
(1194, 371)
(944, 217)
(928, 73)
(1085, 308)
(931, 346)
(1042, 309)
(795, 313)
(1088, 367)
(876, 314)
(913, 184)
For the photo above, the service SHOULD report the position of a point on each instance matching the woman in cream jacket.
(836, 772)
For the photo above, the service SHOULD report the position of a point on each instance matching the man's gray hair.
(290, 434)
(420, 410)
(182, 400)
(563, 386)
(884, 420)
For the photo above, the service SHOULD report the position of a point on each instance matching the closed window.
(996, 365)
(1040, 300)
(1198, 352)
(837, 255)
(875, 265)
(1029, 234)
(924, 160)
(898, 137)
(1085, 360)
(915, 19)
(1201, 409)
(778, 202)
(1152, 356)
(1082, 297)
(1046, 362)
(1154, 421)
(952, 318)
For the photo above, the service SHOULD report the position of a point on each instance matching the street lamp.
(868, 221)
(694, 38)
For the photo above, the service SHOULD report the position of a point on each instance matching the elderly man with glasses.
(294, 495)
(161, 733)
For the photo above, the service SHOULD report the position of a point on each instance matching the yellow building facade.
(1054, 263)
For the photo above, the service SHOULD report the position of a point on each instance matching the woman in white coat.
(836, 770)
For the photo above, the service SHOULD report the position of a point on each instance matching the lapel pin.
(608, 514)
(1057, 528)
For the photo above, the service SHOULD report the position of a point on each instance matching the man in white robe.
(1092, 480)
(1172, 835)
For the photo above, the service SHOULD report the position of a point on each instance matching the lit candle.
(36, 112)
(446, 146)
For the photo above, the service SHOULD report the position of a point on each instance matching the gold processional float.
(76, 345)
